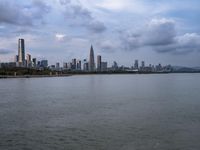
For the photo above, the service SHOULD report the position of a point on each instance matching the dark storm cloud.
(159, 32)
(107, 46)
(160, 36)
(80, 16)
(38, 9)
(11, 13)
(96, 26)
(77, 11)
(5, 51)
(22, 15)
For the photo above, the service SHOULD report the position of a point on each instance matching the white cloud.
(60, 37)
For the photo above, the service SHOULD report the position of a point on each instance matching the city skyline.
(165, 32)
(80, 66)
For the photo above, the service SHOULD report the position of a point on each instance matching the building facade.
(98, 63)
(91, 60)
(21, 52)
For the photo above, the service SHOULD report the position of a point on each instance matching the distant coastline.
(84, 73)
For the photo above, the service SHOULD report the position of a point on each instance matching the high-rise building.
(78, 65)
(115, 65)
(69, 66)
(16, 58)
(91, 60)
(98, 63)
(34, 62)
(65, 65)
(73, 64)
(143, 64)
(44, 63)
(28, 60)
(104, 66)
(86, 66)
(57, 66)
(21, 52)
(38, 64)
(136, 64)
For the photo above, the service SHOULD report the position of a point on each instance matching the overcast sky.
(156, 31)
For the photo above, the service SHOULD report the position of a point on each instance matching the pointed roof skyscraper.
(91, 60)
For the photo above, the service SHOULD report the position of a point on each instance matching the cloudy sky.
(157, 31)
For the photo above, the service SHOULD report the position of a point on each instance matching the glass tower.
(21, 51)
(91, 60)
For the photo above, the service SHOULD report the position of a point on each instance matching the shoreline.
(32, 76)
(72, 74)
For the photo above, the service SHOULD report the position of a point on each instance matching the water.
(101, 112)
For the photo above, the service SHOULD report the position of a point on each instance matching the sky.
(156, 31)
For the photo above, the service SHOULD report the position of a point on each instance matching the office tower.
(34, 62)
(91, 60)
(78, 65)
(38, 64)
(28, 60)
(69, 66)
(136, 64)
(114, 66)
(44, 63)
(86, 66)
(64, 65)
(16, 58)
(73, 67)
(104, 66)
(98, 63)
(21, 52)
(143, 64)
(57, 66)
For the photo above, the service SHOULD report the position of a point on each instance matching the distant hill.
(185, 69)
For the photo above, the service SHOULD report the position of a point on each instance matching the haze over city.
(161, 31)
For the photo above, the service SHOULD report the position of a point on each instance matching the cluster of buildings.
(87, 66)
(27, 62)
(79, 65)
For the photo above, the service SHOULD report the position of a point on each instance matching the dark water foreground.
(101, 112)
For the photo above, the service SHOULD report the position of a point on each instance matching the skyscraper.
(57, 66)
(16, 58)
(21, 52)
(143, 64)
(98, 63)
(73, 64)
(34, 62)
(78, 65)
(91, 60)
(104, 66)
(44, 63)
(28, 60)
(136, 64)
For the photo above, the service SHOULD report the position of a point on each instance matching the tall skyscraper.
(21, 52)
(136, 64)
(34, 62)
(28, 60)
(74, 64)
(104, 66)
(78, 65)
(143, 64)
(91, 60)
(98, 63)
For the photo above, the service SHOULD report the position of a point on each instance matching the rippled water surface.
(101, 112)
